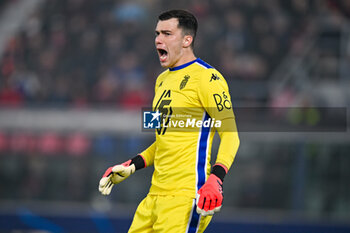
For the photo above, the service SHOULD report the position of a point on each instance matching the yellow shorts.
(167, 214)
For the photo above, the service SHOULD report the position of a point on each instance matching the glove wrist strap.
(219, 171)
(138, 161)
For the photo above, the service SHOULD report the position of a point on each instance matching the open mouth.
(163, 54)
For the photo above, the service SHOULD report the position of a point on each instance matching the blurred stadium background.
(74, 75)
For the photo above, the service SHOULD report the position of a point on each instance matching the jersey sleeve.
(148, 154)
(229, 143)
(214, 95)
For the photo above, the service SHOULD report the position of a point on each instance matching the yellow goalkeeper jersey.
(194, 101)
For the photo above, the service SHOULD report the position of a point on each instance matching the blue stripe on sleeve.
(201, 172)
(194, 221)
(202, 153)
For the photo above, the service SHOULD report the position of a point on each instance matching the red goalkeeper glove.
(210, 195)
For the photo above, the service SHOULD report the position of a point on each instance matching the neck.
(186, 57)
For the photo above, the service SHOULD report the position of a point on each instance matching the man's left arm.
(210, 195)
(216, 99)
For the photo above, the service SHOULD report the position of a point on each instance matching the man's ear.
(187, 41)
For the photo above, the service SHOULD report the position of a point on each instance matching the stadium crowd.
(83, 52)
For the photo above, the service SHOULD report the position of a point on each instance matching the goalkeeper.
(186, 191)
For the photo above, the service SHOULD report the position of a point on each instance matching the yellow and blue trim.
(201, 167)
(198, 61)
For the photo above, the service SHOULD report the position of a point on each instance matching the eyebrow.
(162, 31)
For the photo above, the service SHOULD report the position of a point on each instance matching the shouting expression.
(171, 43)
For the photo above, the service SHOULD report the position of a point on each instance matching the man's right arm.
(148, 155)
(118, 173)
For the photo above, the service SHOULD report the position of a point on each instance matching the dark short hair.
(187, 21)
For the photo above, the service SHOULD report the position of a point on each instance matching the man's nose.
(158, 39)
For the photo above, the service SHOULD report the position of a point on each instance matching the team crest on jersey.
(184, 82)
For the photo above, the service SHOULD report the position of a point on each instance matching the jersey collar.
(183, 65)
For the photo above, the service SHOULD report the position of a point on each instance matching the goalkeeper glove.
(118, 173)
(210, 195)
(115, 175)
